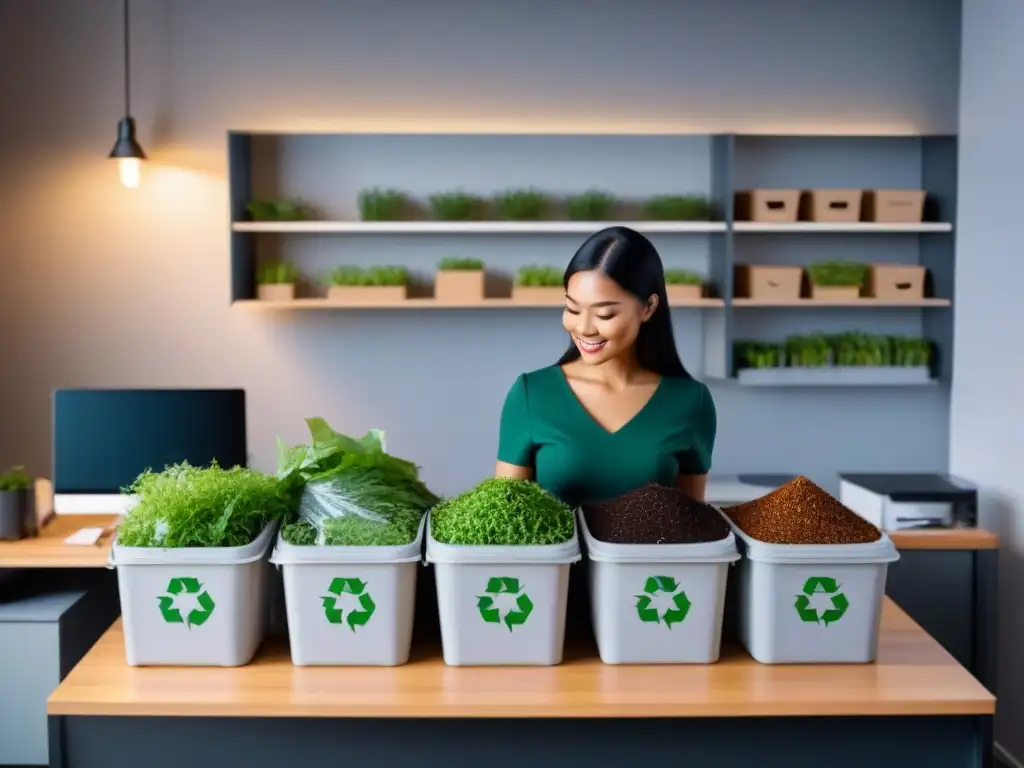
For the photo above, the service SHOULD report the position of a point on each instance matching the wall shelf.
(428, 304)
(865, 303)
(473, 227)
(836, 376)
(811, 227)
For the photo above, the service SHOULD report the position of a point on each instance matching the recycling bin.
(194, 606)
(350, 605)
(810, 604)
(502, 605)
(658, 603)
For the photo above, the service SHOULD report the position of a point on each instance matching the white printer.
(898, 502)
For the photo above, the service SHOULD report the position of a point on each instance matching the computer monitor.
(104, 438)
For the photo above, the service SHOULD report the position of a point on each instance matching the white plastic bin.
(349, 605)
(502, 605)
(658, 603)
(811, 604)
(194, 606)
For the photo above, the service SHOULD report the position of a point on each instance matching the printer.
(899, 502)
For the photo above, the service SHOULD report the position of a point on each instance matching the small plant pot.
(833, 205)
(896, 282)
(17, 515)
(275, 292)
(684, 293)
(895, 206)
(766, 283)
(532, 294)
(835, 292)
(367, 294)
(459, 286)
(778, 206)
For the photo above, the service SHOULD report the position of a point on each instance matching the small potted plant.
(682, 285)
(282, 209)
(350, 284)
(17, 513)
(275, 281)
(523, 205)
(386, 205)
(759, 354)
(814, 351)
(677, 208)
(457, 206)
(459, 281)
(592, 205)
(539, 285)
(837, 280)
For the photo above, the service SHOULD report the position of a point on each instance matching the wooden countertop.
(954, 538)
(48, 550)
(913, 676)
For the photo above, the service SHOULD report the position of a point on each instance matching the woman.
(619, 409)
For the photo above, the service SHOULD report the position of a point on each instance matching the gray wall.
(113, 287)
(987, 414)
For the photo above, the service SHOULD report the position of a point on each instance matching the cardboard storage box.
(684, 293)
(367, 294)
(275, 291)
(459, 286)
(895, 282)
(768, 205)
(771, 283)
(895, 206)
(833, 205)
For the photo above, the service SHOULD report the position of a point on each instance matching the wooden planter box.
(835, 293)
(683, 293)
(454, 286)
(768, 205)
(895, 206)
(768, 283)
(275, 292)
(526, 294)
(367, 294)
(833, 205)
(896, 282)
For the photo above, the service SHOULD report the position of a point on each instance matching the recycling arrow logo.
(490, 611)
(821, 585)
(186, 585)
(354, 618)
(678, 604)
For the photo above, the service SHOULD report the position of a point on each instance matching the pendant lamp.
(127, 150)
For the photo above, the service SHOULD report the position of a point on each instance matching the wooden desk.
(952, 539)
(48, 550)
(916, 700)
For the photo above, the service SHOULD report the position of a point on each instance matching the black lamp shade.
(126, 144)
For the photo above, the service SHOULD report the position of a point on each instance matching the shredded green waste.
(502, 511)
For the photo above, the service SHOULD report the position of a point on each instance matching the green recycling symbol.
(663, 585)
(818, 585)
(504, 585)
(189, 586)
(356, 618)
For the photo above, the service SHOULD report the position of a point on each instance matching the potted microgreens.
(457, 206)
(386, 205)
(539, 285)
(368, 284)
(837, 280)
(522, 205)
(812, 351)
(275, 281)
(682, 285)
(591, 205)
(677, 208)
(459, 281)
(282, 209)
(17, 513)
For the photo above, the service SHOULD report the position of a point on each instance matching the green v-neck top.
(545, 426)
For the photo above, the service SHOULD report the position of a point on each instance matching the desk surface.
(48, 550)
(956, 538)
(913, 676)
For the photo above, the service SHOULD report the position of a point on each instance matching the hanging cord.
(127, 65)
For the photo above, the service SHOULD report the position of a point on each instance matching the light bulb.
(130, 169)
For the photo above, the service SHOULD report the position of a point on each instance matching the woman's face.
(601, 317)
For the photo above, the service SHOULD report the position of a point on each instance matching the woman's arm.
(694, 465)
(694, 486)
(515, 438)
(504, 469)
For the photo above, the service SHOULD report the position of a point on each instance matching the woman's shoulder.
(687, 392)
(541, 378)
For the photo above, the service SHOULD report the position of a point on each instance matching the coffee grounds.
(654, 514)
(800, 512)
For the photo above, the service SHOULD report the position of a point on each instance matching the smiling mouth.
(590, 347)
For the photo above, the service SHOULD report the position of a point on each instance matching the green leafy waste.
(502, 511)
(352, 490)
(186, 506)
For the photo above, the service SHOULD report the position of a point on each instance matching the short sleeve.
(704, 426)
(515, 438)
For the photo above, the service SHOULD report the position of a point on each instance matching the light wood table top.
(953, 538)
(48, 550)
(913, 676)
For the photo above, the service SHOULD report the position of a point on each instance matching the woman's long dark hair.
(632, 261)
